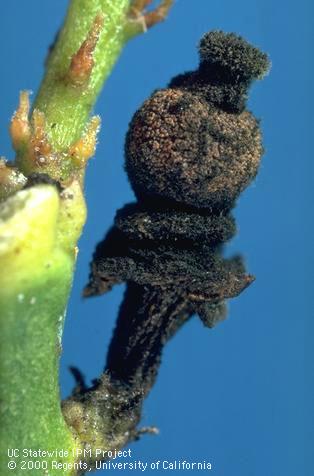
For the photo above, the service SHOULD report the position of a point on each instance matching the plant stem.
(33, 291)
(40, 226)
(67, 108)
(38, 234)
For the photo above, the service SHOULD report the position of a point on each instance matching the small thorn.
(82, 61)
(84, 148)
(20, 126)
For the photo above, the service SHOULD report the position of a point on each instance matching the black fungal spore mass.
(191, 149)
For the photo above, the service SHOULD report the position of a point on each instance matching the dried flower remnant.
(191, 149)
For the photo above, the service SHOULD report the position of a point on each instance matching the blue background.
(239, 395)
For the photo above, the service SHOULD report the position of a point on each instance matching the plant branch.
(40, 226)
(65, 103)
(35, 280)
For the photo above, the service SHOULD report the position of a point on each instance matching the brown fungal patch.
(191, 149)
(179, 148)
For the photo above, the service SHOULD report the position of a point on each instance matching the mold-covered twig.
(191, 149)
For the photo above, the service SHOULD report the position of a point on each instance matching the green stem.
(34, 285)
(39, 229)
(67, 108)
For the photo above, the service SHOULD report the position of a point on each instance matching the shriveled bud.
(82, 61)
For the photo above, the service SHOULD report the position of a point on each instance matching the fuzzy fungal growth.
(182, 149)
(228, 66)
(103, 417)
(194, 143)
(191, 149)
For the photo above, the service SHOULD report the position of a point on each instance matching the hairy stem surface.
(65, 106)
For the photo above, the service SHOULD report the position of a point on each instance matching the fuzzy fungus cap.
(181, 149)
(234, 54)
(228, 66)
